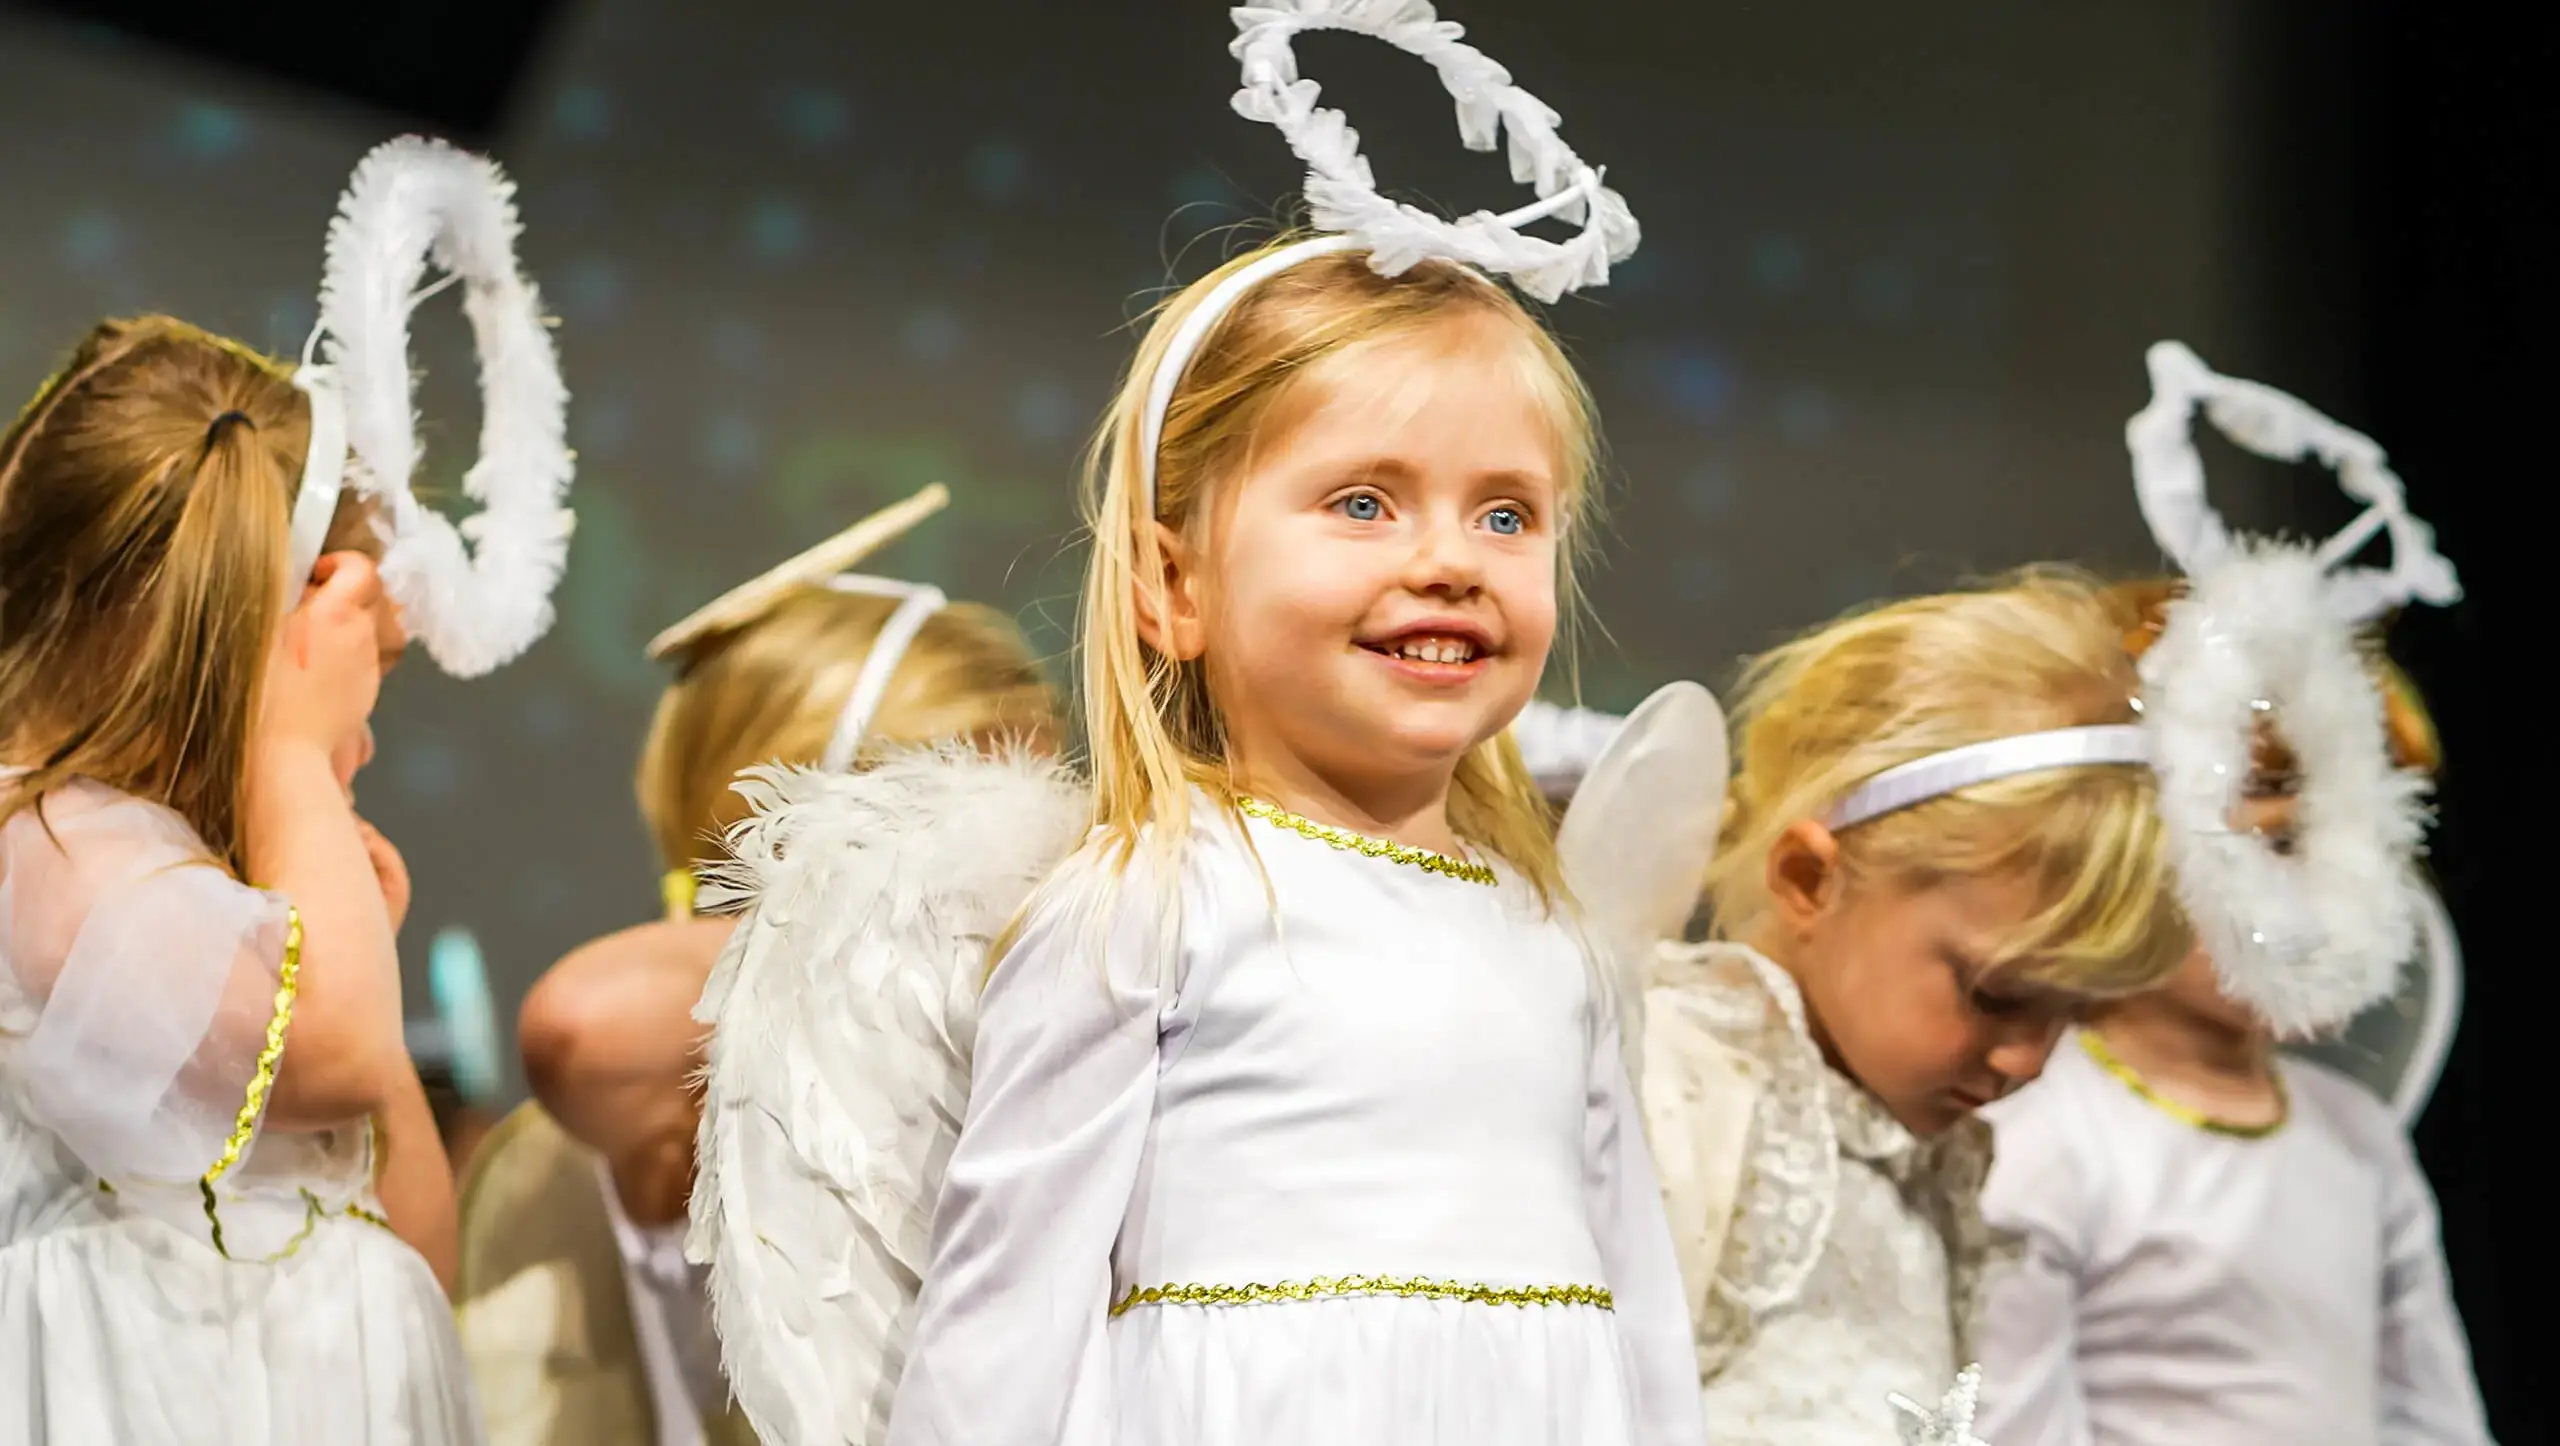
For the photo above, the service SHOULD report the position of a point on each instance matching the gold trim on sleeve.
(1327, 1287)
(254, 1102)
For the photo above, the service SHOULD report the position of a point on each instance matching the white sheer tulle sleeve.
(1560, 744)
(2428, 1394)
(1009, 1344)
(2029, 1335)
(1635, 1248)
(139, 981)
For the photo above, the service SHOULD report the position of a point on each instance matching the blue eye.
(1363, 507)
(1507, 521)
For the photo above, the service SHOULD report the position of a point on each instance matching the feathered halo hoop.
(479, 594)
(2266, 632)
(1342, 193)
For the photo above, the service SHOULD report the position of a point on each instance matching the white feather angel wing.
(1636, 841)
(842, 1015)
(2397, 1047)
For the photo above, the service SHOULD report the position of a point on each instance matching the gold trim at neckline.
(1337, 1287)
(1464, 870)
(2127, 1076)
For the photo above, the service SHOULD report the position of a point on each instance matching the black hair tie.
(213, 432)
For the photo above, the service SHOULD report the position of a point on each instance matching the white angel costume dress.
(2183, 1284)
(1832, 1260)
(1349, 1157)
(170, 1272)
(2189, 1282)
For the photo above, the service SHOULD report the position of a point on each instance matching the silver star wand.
(1949, 1425)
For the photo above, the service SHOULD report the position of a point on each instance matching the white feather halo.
(1343, 194)
(2307, 940)
(2267, 628)
(478, 594)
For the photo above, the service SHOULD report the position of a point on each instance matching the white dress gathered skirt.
(1353, 1162)
(171, 1272)
(1371, 1369)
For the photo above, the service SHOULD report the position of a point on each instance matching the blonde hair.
(772, 691)
(2041, 649)
(144, 500)
(1150, 723)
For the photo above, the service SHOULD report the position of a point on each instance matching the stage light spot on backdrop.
(1709, 491)
(777, 229)
(591, 289)
(737, 344)
(1807, 414)
(813, 115)
(599, 426)
(290, 318)
(1043, 411)
(996, 169)
(424, 767)
(932, 334)
(209, 132)
(547, 717)
(583, 113)
(1886, 290)
(1699, 580)
(729, 443)
(1855, 584)
(91, 240)
(1691, 379)
(1778, 266)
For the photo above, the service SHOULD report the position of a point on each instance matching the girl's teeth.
(1438, 652)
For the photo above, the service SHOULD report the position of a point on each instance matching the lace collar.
(1810, 1118)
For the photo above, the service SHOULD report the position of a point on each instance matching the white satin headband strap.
(324, 475)
(1940, 774)
(917, 602)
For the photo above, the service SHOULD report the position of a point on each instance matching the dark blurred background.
(1900, 265)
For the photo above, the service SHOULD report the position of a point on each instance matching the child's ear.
(1803, 874)
(1170, 619)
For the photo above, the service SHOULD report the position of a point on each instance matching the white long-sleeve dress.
(2190, 1287)
(1350, 1161)
(142, 1016)
(1834, 1259)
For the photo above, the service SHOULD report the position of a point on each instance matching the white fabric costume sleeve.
(1560, 744)
(2427, 1395)
(1634, 1236)
(140, 979)
(1009, 1346)
(2030, 1340)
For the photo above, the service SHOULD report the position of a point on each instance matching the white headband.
(324, 475)
(917, 603)
(1343, 197)
(2310, 938)
(1939, 774)
(480, 594)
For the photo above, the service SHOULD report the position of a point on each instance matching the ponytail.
(144, 503)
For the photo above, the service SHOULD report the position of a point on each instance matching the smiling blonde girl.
(1290, 1107)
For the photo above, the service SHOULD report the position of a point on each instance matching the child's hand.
(326, 671)
(389, 870)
